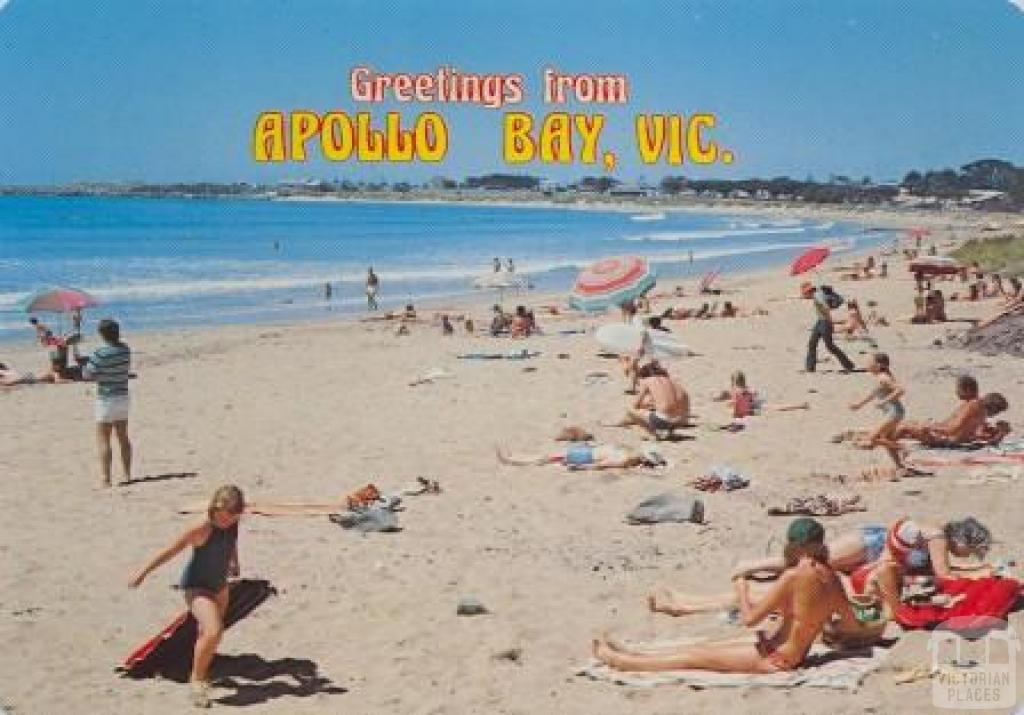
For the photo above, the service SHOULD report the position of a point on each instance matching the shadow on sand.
(257, 680)
(159, 478)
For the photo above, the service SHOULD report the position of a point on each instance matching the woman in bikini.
(808, 596)
(874, 556)
(214, 558)
(577, 457)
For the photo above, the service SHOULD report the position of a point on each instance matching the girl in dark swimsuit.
(205, 578)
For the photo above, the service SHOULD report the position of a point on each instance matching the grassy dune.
(1004, 254)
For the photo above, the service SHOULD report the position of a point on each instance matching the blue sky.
(164, 91)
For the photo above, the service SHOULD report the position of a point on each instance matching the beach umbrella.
(611, 282)
(58, 299)
(501, 282)
(918, 231)
(808, 260)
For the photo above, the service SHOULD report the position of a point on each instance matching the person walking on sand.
(824, 301)
(204, 581)
(109, 367)
(372, 286)
(509, 265)
(497, 265)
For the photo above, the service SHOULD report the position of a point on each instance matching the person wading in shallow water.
(372, 286)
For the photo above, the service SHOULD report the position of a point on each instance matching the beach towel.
(169, 653)
(667, 508)
(523, 354)
(983, 599)
(823, 668)
(1009, 451)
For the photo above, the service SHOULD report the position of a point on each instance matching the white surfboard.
(626, 339)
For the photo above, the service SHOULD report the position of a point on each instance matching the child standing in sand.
(887, 396)
(214, 558)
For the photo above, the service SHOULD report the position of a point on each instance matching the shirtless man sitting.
(661, 404)
(967, 424)
(809, 596)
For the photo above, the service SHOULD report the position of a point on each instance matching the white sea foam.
(160, 288)
(715, 233)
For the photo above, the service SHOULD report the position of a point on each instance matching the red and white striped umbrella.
(612, 282)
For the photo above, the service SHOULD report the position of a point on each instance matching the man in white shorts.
(109, 367)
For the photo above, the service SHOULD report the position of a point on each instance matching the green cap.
(805, 530)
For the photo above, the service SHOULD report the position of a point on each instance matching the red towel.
(984, 598)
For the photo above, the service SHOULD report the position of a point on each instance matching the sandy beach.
(367, 623)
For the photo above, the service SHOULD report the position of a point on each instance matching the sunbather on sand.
(684, 313)
(587, 457)
(887, 396)
(875, 557)
(10, 378)
(662, 405)
(967, 424)
(854, 324)
(808, 595)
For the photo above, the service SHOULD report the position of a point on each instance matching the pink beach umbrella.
(611, 282)
(59, 299)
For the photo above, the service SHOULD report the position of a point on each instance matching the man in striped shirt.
(109, 367)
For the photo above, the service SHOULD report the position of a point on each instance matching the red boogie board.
(169, 652)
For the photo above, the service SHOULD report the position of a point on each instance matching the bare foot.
(604, 652)
(661, 601)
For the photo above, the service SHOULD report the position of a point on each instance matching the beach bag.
(832, 299)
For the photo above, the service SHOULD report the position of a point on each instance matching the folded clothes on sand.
(667, 507)
(822, 668)
(721, 477)
(365, 519)
(819, 505)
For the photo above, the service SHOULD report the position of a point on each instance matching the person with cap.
(808, 595)
(824, 300)
(876, 556)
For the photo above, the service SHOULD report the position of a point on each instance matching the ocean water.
(169, 262)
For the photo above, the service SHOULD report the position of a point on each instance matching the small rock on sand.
(469, 606)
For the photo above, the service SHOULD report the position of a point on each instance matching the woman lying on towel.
(585, 456)
(874, 557)
(808, 595)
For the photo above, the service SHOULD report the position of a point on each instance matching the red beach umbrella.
(809, 259)
(918, 231)
(59, 299)
(611, 282)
